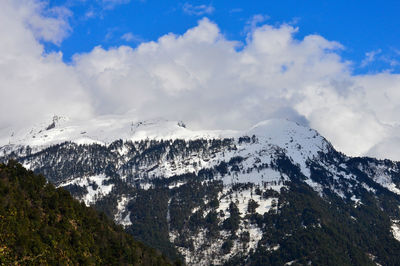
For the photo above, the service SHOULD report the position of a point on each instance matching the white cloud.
(47, 24)
(110, 4)
(198, 10)
(130, 37)
(202, 78)
(370, 57)
(90, 14)
(254, 21)
(34, 84)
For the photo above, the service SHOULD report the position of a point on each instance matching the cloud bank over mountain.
(200, 77)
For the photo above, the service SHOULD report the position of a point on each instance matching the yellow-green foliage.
(42, 225)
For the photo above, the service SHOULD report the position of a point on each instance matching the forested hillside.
(40, 224)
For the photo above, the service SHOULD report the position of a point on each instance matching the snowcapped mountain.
(102, 130)
(274, 194)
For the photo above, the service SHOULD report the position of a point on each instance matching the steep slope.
(40, 224)
(274, 194)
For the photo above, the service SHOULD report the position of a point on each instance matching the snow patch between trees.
(122, 216)
(95, 185)
(396, 229)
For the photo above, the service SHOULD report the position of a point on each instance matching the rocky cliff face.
(274, 194)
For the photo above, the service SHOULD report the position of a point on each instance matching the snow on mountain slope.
(106, 129)
(96, 187)
(197, 176)
(381, 174)
(258, 146)
(102, 130)
(122, 217)
(299, 142)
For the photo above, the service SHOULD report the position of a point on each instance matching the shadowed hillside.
(40, 224)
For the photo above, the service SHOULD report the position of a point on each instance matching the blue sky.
(367, 29)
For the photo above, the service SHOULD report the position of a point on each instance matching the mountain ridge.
(106, 129)
(225, 199)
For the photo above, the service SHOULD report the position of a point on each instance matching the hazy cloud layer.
(198, 10)
(199, 77)
(130, 37)
(110, 4)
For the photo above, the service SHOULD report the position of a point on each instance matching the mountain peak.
(290, 135)
(56, 120)
(298, 139)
